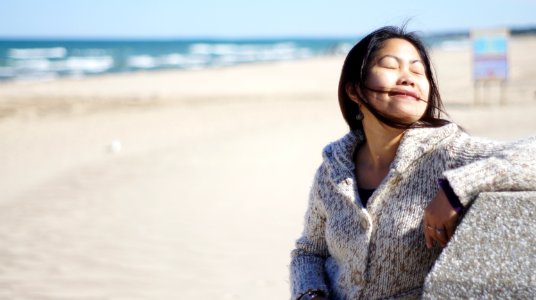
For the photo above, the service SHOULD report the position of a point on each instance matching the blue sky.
(250, 18)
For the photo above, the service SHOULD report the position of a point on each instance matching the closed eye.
(418, 72)
(418, 68)
(388, 62)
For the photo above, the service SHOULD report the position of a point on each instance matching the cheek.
(425, 89)
(373, 81)
(379, 80)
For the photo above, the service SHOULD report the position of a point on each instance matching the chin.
(405, 118)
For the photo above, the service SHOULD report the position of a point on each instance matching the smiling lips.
(398, 92)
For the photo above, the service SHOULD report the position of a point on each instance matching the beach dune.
(188, 184)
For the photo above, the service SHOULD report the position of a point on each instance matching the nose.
(405, 76)
(406, 79)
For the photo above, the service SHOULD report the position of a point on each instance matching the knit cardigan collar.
(415, 143)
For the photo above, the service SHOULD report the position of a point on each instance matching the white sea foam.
(196, 61)
(36, 53)
(340, 49)
(228, 54)
(169, 60)
(200, 48)
(234, 49)
(37, 68)
(172, 60)
(90, 57)
(228, 49)
(30, 65)
(82, 64)
(142, 61)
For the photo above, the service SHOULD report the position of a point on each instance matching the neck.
(381, 144)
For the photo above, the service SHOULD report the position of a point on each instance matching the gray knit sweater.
(376, 252)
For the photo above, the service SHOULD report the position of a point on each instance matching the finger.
(441, 236)
(429, 240)
(449, 230)
(436, 233)
(427, 237)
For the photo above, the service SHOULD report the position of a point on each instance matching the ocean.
(28, 60)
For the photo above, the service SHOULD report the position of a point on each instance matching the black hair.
(355, 71)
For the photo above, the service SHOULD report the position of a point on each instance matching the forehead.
(399, 48)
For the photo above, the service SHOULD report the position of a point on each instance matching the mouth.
(405, 94)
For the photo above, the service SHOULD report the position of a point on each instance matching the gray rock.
(493, 252)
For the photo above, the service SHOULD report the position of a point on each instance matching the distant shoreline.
(35, 60)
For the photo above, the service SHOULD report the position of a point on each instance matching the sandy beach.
(189, 184)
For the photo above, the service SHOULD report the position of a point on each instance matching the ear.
(351, 92)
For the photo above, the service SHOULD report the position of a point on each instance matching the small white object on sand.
(115, 146)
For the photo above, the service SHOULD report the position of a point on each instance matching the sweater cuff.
(451, 196)
(307, 273)
(468, 181)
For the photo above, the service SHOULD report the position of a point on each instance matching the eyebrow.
(399, 59)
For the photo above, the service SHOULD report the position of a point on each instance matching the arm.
(479, 166)
(497, 167)
(307, 259)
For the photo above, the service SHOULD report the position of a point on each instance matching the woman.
(397, 182)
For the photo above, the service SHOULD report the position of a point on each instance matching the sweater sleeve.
(488, 166)
(307, 259)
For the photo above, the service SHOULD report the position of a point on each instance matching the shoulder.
(450, 136)
(337, 157)
(418, 141)
(342, 149)
(433, 135)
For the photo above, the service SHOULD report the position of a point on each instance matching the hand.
(439, 220)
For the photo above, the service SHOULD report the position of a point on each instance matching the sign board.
(490, 54)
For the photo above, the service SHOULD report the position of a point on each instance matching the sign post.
(490, 60)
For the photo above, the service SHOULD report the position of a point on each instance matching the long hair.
(355, 72)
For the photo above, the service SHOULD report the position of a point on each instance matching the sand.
(188, 184)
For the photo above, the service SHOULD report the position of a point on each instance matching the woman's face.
(397, 85)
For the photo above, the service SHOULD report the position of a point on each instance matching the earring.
(359, 116)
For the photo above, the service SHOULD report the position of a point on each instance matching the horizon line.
(447, 32)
